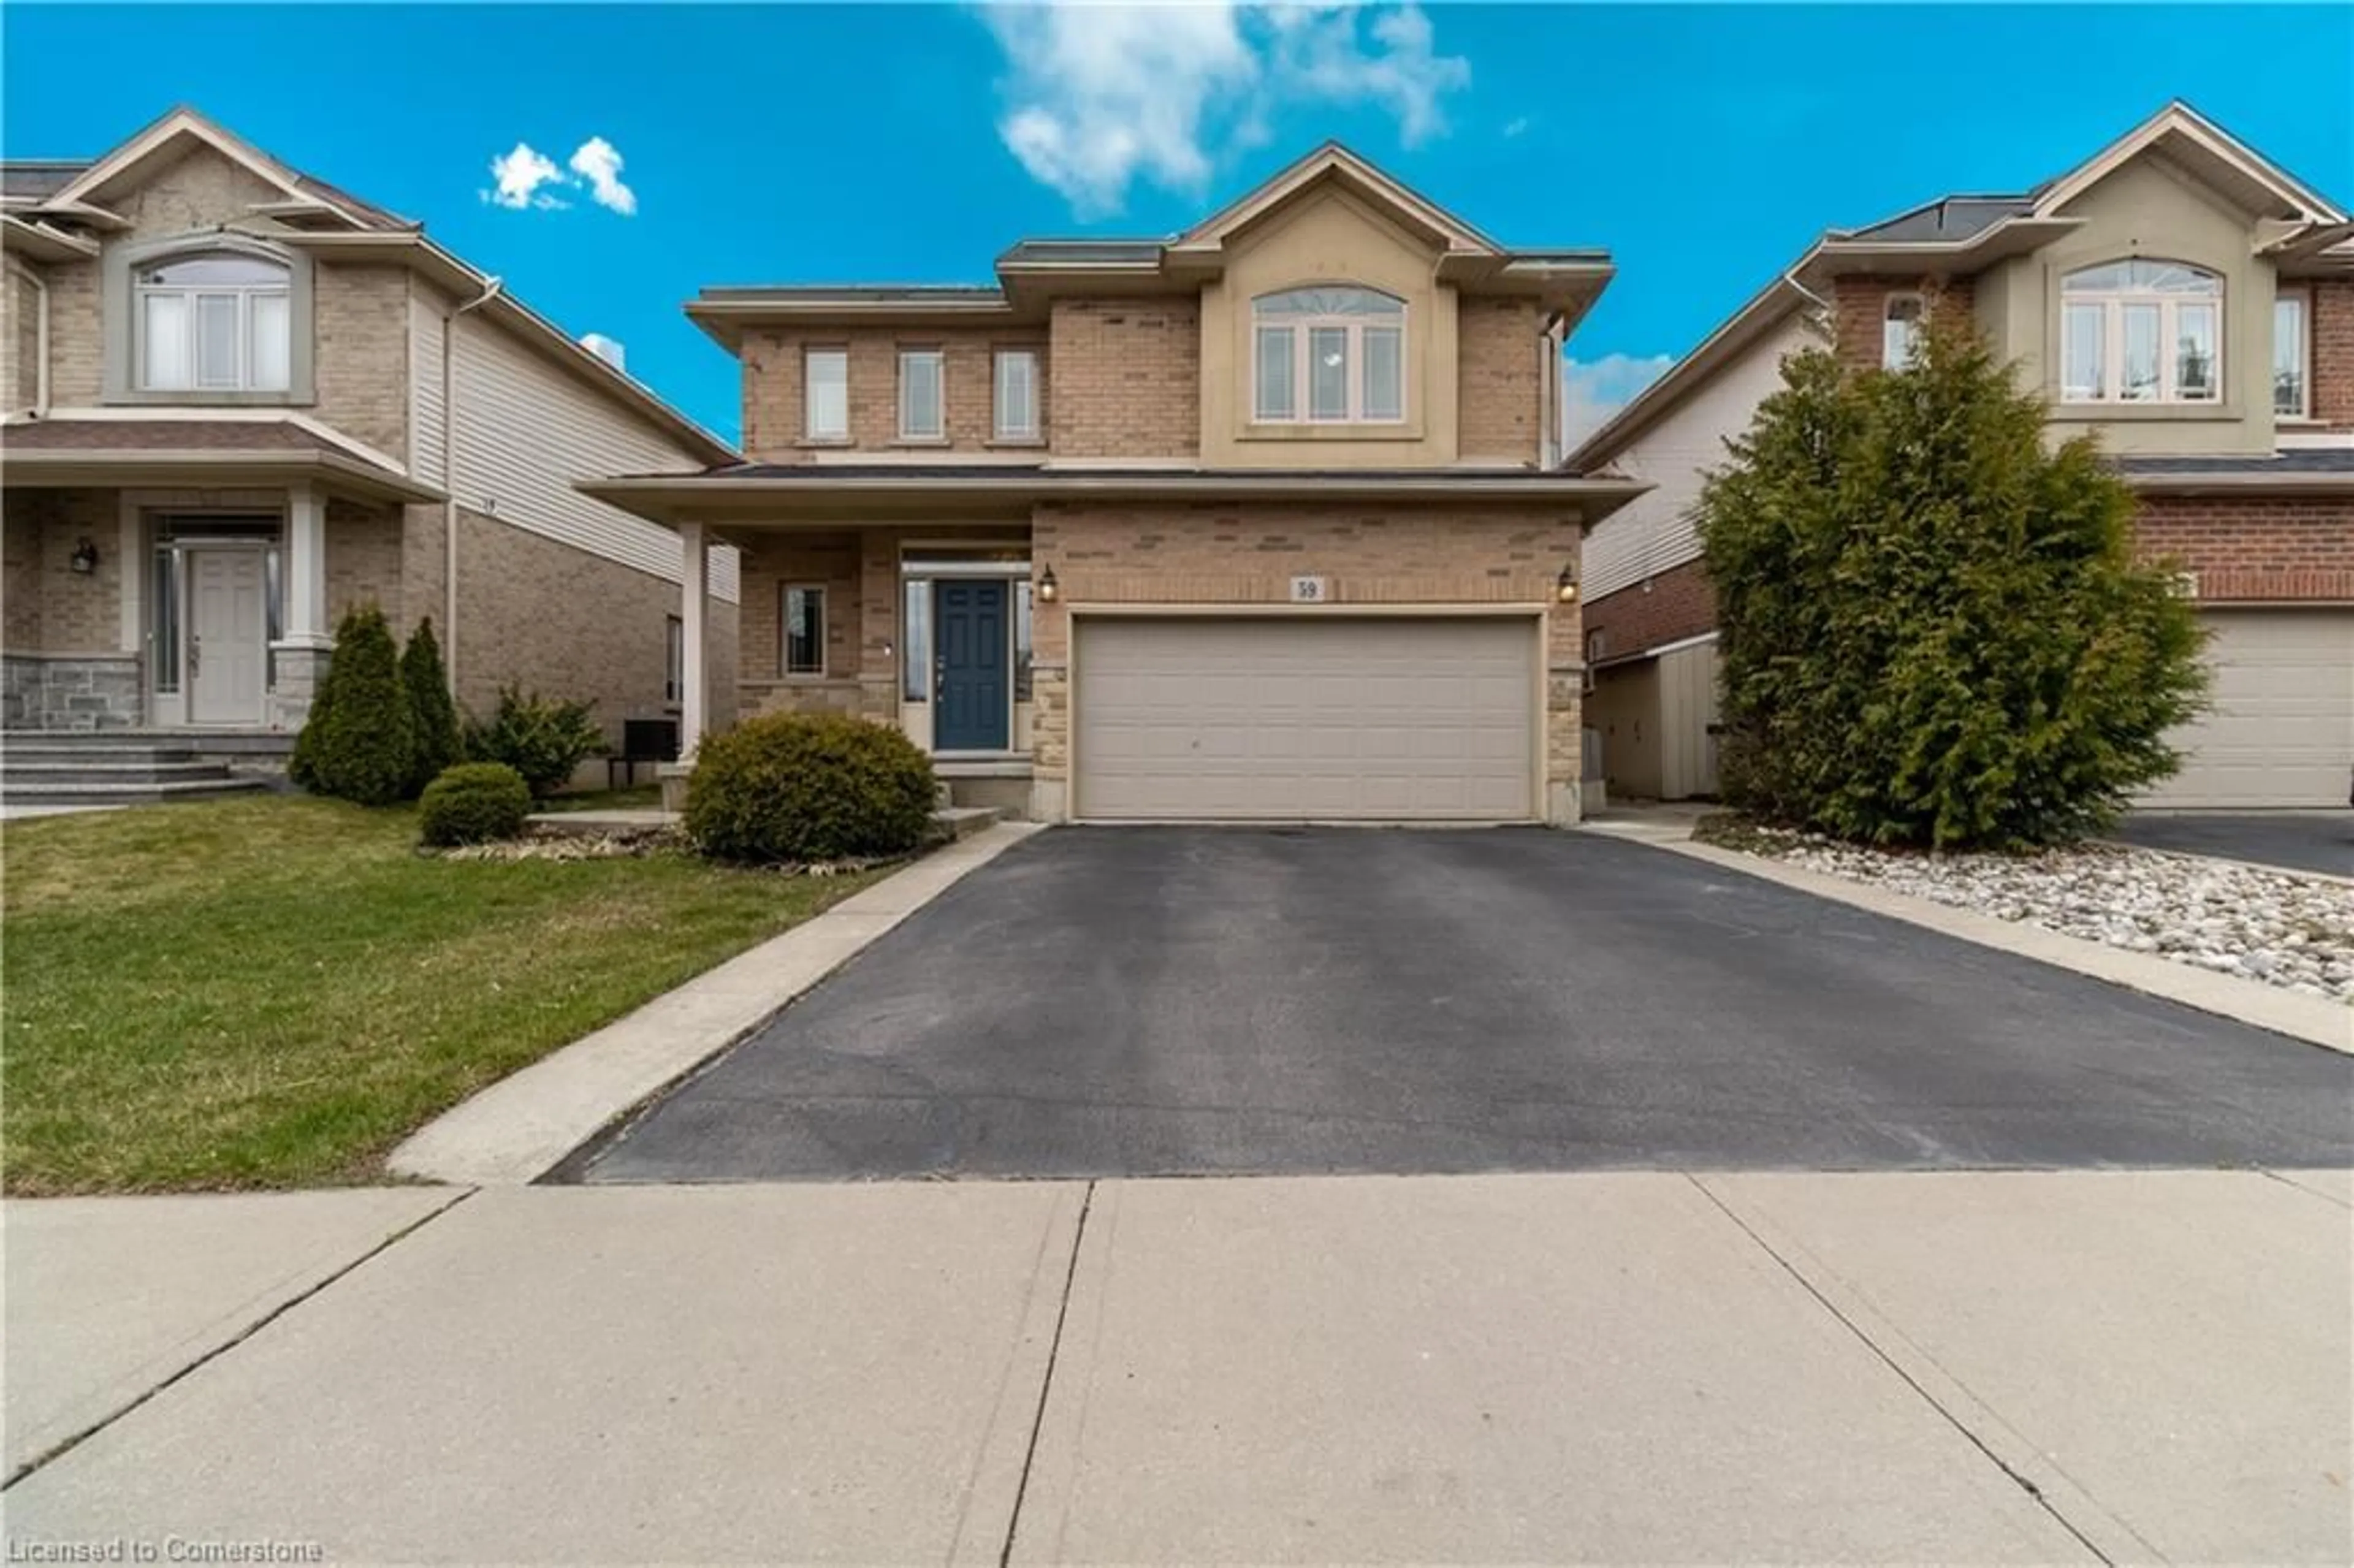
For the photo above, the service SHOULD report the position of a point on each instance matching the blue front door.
(970, 711)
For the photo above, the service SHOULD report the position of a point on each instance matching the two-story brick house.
(1262, 520)
(2179, 295)
(241, 400)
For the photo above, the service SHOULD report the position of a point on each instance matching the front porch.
(928, 628)
(192, 615)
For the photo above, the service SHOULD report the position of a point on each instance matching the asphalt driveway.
(2293, 841)
(1168, 1001)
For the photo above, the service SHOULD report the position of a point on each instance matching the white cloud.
(1102, 96)
(1519, 127)
(529, 179)
(1593, 390)
(597, 161)
(520, 175)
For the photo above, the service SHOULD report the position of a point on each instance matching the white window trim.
(1000, 430)
(674, 659)
(2113, 304)
(2304, 300)
(940, 384)
(809, 403)
(1920, 304)
(1302, 330)
(190, 295)
(785, 592)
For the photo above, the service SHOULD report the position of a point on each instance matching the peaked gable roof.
(2208, 150)
(85, 190)
(1334, 164)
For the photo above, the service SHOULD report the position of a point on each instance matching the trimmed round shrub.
(809, 787)
(473, 803)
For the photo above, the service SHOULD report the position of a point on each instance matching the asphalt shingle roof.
(2295, 460)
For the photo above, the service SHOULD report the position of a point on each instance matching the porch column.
(306, 569)
(694, 596)
(305, 644)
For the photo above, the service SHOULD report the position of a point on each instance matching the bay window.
(2141, 331)
(1328, 356)
(218, 323)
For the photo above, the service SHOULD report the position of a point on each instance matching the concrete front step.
(141, 792)
(261, 744)
(61, 768)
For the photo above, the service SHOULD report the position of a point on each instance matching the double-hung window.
(2141, 331)
(2290, 349)
(219, 322)
(825, 380)
(1328, 356)
(1017, 395)
(804, 630)
(923, 400)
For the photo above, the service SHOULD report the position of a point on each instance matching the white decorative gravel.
(2278, 927)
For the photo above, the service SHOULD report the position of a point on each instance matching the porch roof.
(2296, 471)
(750, 493)
(164, 453)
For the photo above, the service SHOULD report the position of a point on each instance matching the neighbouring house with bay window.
(2179, 295)
(1264, 520)
(241, 401)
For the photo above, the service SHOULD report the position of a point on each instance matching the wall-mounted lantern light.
(1048, 587)
(1566, 584)
(85, 558)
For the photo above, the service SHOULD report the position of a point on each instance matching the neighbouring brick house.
(241, 401)
(2179, 296)
(1263, 520)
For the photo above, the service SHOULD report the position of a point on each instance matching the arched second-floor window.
(2141, 331)
(213, 322)
(1328, 354)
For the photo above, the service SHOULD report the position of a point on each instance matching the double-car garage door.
(1316, 717)
(2281, 728)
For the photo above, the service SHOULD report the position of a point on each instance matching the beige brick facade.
(776, 425)
(566, 623)
(20, 338)
(1128, 378)
(1500, 369)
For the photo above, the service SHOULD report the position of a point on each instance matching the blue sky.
(1703, 146)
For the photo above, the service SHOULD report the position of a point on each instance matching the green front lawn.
(271, 992)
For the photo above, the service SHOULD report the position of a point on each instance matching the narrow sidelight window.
(805, 630)
(921, 400)
(1017, 395)
(826, 378)
(674, 659)
(2289, 359)
(1900, 331)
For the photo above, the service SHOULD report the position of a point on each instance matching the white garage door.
(1320, 719)
(2282, 729)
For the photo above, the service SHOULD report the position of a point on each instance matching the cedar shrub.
(1933, 629)
(358, 741)
(430, 711)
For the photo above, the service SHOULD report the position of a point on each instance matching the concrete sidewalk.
(1658, 1366)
